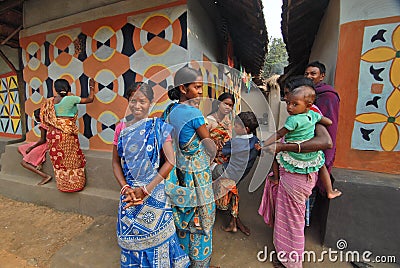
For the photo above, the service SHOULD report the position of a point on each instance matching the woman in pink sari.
(34, 153)
(283, 205)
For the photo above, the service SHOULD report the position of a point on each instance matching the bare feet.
(45, 180)
(229, 228)
(334, 193)
(243, 228)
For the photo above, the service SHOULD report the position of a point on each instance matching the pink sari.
(286, 205)
(267, 206)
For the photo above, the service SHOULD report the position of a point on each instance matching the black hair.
(221, 98)
(249, 120)
(225, 96)
(184, 76)
(300, 84)
(319, 65)
(62, 87)
(36, 114)
(297, 81)
(142, 87)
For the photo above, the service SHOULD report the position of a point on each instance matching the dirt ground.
(31, 234)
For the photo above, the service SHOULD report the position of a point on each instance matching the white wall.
(59, 13)
(354, 10)
(202, 37)
(12, 55)
(325, 47)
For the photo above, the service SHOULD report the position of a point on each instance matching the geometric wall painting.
(10, 114)
(116, 52)
(377, 121)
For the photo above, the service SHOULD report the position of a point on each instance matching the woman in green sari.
(190, 184)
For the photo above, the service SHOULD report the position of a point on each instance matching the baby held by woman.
(299, 127)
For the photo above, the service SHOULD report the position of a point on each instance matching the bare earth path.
(33, 244)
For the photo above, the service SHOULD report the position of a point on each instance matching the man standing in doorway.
(328, 102)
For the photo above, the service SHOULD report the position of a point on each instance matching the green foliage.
(277, 58)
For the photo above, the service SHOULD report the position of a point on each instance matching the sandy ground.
(31, 234)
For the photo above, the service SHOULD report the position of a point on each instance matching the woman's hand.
(92, 87)
(91, 83)
(219, 144)
(139, 193)
(131, 199)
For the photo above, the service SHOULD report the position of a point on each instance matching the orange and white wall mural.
(116, 51)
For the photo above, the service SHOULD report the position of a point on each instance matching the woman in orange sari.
(59, 114)
(219, 124)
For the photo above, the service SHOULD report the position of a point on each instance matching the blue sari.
(189, 188)
(146, 233)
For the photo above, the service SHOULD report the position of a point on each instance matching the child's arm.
(325, 121)
(226, 149)
(41, 141)
(321, 141)
(274, 137)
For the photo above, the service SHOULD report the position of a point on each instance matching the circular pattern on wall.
(156, 35)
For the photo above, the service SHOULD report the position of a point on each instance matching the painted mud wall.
(325, 46)
(10, 109)
(116, 51)
(368, 81)
(142, 45)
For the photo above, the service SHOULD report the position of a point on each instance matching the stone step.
(99, 172)
(91, 201)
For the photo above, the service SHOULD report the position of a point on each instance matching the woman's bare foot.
(334, 193)
(229, 228)
(243, 228)
(45, 180)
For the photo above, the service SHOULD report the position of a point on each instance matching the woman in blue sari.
(190, 185)
(145, 230)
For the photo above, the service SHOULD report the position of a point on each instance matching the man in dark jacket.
(328, 102)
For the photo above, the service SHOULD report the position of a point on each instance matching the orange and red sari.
(227, 196)
(64, 149)
(220, 134)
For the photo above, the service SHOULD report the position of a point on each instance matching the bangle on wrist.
(299, 147)
(144, 190)
(123, 189)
